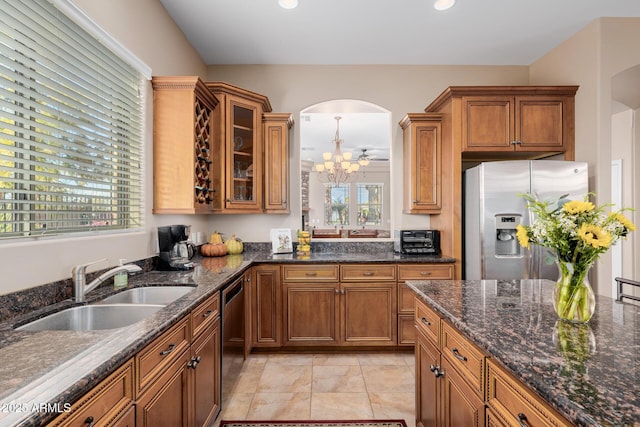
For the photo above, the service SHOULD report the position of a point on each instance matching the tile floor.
(324, 387)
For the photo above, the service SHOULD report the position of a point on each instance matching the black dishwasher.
(233, 336)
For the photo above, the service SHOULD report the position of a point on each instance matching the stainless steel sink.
(93, 317)
(149, 295)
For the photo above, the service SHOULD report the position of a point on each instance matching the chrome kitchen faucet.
(80, 278)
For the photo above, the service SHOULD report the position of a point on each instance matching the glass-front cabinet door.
(244, 180)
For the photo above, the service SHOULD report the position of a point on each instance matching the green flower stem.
(572, 298)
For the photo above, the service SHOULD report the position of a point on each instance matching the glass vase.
(573, 297)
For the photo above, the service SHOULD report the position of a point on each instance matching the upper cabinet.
(276, 128)
(502, 122)
(237, 148)
(422, 163)
(182, 133)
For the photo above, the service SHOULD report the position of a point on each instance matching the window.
(369, 204)
(71, 135)
(336, 206)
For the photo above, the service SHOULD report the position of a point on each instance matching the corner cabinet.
(422, 163)
(237, 148)
(276, 128)
(182, 137)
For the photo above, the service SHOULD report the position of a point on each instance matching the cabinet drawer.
(205, 314)
(425, 272)
(514, 404)
(104, 403)
(310, 273)
(154, 359)
(427, 321)
(464, 356)
(367, 272)
(405, 299)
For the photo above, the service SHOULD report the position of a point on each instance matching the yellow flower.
(594, 236)
(577, 206)
(626, 223)
(523, 236)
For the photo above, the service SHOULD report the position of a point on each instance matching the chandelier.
(337, 167)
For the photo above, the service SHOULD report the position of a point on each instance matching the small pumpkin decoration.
(213, 249)
(214, 265)
(215, 237)
(234, 245)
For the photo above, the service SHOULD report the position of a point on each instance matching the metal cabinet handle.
(168, 350)
(207, 313)
(425, 273)
(311, 273)
(457, 355)
(436, 371)
(89, 421)
(522, 420)
(368, 273)
(193, 362)
(425, 321)
(337, 290)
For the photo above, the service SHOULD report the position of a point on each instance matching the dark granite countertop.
(55, 368)
(595, 381)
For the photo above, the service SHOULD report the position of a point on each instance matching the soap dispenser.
(121, 279)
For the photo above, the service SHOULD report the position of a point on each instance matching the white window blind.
(71, 127)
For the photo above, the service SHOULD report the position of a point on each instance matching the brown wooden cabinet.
(320, 310)
(511, 404)
(205, 375)
(178, 374)
(530, 123)
(406, 327)
(237, 149)
(422, 163)
(110, 403)
(444, 396)
(276, 128)
(266, 306)
(182, 138)
(480, 123)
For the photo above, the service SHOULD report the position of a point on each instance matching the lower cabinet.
(340, 314)
(444, 397)
(110, 403)
(266, 306)
(179, 372)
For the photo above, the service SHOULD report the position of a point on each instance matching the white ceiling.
(473, 32)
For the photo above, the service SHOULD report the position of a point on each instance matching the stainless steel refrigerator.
(493, 208)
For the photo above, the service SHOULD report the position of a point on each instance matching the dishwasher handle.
(232, 291)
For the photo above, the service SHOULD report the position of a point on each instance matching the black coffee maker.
(175, 251)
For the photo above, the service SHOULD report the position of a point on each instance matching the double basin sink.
(116, 311)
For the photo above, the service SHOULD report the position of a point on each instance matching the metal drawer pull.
(425, 321)
(337, 291)
(89, 421)
(425, 273)
(168, 350)
(457, 354)
(207, 313)
(522, 420)
(368, 273)
(311, 273)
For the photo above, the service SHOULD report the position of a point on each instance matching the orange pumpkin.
(213, 249)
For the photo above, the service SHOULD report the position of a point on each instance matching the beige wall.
(145, 29)
(591, 58)
(400, 89)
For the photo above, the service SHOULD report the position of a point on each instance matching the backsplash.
(27, 301)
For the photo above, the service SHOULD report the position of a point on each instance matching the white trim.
(72, 11)
(616, 199)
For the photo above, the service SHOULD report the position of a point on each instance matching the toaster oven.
(417, 242)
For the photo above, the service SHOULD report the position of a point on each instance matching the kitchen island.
(590, 375)
(42, 373)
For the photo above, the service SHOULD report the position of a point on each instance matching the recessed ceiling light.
(288, 4)
(444, 4)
